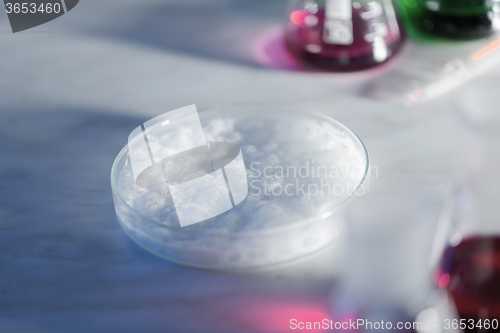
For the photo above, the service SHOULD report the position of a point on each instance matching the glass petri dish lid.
(300, 167)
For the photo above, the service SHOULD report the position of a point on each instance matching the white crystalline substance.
(287, 143)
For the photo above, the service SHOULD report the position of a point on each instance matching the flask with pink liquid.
(343, 35)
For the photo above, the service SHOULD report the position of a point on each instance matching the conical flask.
(343, 35)
(455, 19)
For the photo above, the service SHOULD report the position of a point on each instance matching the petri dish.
(301, 167)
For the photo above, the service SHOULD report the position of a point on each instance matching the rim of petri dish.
(275, 229)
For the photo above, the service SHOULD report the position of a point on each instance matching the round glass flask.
(343, 35)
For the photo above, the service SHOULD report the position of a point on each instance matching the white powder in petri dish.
(297, 169)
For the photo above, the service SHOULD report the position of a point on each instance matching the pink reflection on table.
(269, 50)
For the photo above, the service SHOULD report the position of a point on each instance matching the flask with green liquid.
(455, 19)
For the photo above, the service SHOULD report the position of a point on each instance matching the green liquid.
(455, 19)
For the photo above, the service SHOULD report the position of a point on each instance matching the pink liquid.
(471, 274)
(356, 56)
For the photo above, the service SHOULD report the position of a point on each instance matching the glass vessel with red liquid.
(343, 35)
(470, 266)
